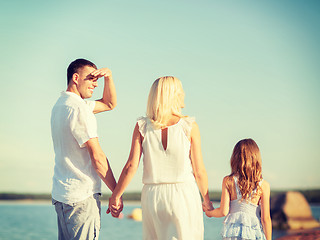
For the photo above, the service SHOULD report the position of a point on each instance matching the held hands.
(102, 72)
(207, 206)
(115, 207)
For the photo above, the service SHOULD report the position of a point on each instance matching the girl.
(245, 196)
(172, 166)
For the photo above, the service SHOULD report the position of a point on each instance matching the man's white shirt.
(73, 123)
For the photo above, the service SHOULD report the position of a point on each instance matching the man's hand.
(109, 98)
(115, 207)
(102, 72)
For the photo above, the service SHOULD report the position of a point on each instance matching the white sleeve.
(187, 124)
(83, 126)
(91, 104)
(142, 123)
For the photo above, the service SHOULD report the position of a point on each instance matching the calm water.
(38, 222)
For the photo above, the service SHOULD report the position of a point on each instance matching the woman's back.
(166, 152)
(170, 200)
(173, 167)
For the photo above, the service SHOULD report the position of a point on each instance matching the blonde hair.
(166, 98)
(246, 164)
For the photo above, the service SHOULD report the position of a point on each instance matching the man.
(79, 160)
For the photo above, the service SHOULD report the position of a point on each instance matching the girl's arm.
(129, 169)
(265, 210)
(223, 210)
(199, 170)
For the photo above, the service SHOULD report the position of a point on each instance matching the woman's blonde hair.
(166, 98)
(246, 164)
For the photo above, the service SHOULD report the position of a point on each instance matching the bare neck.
(73, 88)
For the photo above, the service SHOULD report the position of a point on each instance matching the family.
(175, 191)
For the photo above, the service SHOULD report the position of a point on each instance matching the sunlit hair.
(246, 164)
(166, 97)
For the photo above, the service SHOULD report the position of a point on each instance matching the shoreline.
(48, 202)
(103, 202)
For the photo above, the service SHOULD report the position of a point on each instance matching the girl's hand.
(208, 213)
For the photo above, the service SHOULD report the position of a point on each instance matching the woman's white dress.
(170, 200)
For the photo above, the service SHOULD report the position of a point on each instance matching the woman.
(173, 167)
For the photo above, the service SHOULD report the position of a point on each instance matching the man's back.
(72, 124)
(80, 163)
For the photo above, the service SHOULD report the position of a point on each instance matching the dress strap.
(260, 183)
(239, 196)
(255, 190)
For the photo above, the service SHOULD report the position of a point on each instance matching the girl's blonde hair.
(166, 98)
(246, 164)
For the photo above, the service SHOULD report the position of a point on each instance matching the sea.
(37, 221)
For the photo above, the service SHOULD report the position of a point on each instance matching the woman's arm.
(223, 210)
(129, 169)
(199, 170)
(265, 210)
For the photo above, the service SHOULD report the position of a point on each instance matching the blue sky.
(249, 69)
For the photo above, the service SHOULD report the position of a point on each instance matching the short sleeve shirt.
(72, 125)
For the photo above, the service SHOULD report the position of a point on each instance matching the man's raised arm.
(109, 98)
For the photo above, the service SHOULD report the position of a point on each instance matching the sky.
(249, 69)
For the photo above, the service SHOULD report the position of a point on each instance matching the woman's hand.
(115, 206)
(207, 206)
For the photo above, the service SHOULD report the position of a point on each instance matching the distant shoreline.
(312, 196)
(48, 202)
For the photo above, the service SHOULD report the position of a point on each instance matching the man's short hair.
(76, 65)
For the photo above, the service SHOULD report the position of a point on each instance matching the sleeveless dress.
(170, 199)
(244, 220)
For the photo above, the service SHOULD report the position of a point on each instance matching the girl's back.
(232, 188)
(245, 196)
(243, 220)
